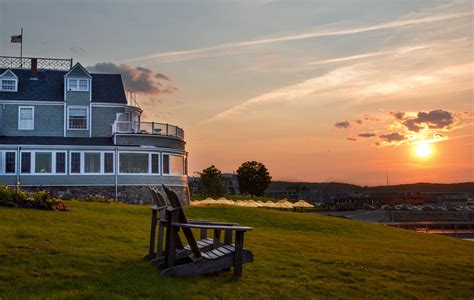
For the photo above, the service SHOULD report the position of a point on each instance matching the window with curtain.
(91, 162)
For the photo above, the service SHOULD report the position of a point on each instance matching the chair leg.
(171, 240)
(238, 255)
(151, 250)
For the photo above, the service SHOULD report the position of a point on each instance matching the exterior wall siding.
(150, 140)
(77, 98)
(77, 72)
(8, 180)
(152, 180)
(61, 180)
(94, 180)
(48, 120)
(103, 118)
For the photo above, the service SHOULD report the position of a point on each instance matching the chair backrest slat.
(175, 203)
(157, 198)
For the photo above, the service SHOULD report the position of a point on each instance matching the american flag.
(16, 38)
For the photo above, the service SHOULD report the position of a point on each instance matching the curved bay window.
(173, 165)
(134, 163)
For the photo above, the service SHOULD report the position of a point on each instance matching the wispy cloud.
(332, 80)
(358, 82)
(199, 52)
(402, 50)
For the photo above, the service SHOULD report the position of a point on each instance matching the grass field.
(96, 251)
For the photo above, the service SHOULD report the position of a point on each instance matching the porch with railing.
(153, 128)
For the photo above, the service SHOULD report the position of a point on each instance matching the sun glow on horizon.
(423, 150)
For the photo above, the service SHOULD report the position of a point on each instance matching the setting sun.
(423, 150)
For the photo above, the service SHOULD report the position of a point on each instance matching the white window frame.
(53, 162)
(151, 163)
(3, 162)
(31, 163)
(82, 162)
(76, 86)
(15, 87)
(135, 152)
(169, 174)
(65, 162)
(33, 117)
(87, 116)
(102, 163)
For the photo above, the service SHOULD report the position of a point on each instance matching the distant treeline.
(330, 187)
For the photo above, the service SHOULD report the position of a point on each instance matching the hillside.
(428, 187)
(96, 250)
(346, 187)
(322, 186)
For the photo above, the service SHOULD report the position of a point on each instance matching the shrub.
(4, 195)
(37, 200)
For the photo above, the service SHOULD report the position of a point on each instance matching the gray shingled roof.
(49, 86)
(52, 140)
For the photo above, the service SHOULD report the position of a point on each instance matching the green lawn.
(96, 250)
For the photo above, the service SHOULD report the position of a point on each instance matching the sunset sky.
(316, 90)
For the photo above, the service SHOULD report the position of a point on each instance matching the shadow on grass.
(132, 279)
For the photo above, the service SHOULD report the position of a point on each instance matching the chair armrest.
(194, 221)
(218, 227)
(206, 222)
(158, 207)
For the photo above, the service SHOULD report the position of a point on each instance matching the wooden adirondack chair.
(201, 261)
(158, 221)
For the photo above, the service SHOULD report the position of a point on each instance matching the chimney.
(34, 67)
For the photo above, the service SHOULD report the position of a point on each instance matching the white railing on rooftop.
(147, 128)
(13, 62)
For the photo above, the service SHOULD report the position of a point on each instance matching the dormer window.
(81, 85)
(9, 85)
(8, 81)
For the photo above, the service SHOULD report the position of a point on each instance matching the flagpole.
(21, 49)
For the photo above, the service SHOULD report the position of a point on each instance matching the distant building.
(450, 199)
(230, 180)
(315, 196)
(232, 183)
(280, 194)
(194, 185)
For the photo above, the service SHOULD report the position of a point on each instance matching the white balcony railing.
(147, 128)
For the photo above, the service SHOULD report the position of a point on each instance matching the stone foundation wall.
(127, 194)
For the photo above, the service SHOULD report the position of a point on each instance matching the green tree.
(253, 178)
(212, 182)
